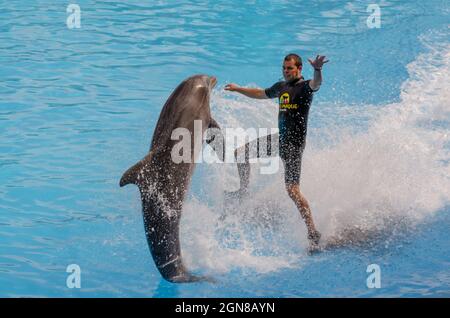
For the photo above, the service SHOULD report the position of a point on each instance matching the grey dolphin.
(163, 183)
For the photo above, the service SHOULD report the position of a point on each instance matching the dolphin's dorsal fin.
(131, 175)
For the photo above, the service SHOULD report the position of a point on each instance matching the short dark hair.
(292, 56)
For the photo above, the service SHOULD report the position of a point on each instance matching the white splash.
(394, 172)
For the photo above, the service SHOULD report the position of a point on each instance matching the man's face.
(290, 70)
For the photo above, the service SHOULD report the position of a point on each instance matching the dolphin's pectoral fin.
(213, 130)
(215, 139)
(213, 124)
(131, 175)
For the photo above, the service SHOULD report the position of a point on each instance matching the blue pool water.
(78, 107)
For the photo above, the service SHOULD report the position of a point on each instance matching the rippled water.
(78, 107)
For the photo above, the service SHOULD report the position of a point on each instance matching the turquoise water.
(78, 107)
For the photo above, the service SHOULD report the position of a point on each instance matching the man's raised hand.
(318, 62)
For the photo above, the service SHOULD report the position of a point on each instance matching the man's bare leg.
(263, 147)
(243, 168)
(305, 211)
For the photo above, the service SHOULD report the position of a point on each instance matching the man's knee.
(293, 189)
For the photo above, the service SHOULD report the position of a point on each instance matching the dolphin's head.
(203, 81)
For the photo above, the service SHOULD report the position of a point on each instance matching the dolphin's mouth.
(212, 82)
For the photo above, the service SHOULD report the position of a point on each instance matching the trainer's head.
(292, 67)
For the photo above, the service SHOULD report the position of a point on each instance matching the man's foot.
(231, 200)
(236, 195)
(314, 239)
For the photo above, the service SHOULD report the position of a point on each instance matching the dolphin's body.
(163, 183)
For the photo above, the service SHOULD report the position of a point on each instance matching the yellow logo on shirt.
(285, 102)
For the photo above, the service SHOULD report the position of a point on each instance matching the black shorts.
(291, 155)
(290, 151)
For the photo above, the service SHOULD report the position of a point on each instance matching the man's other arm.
(257, 93)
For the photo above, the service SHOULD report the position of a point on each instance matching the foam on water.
(362, 184)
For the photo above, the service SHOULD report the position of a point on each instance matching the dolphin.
(163, 183)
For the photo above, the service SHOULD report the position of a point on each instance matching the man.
(294, 96)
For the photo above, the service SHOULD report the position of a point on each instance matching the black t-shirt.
(294, 100)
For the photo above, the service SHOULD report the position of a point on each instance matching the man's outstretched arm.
(257, 93)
